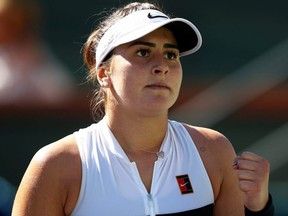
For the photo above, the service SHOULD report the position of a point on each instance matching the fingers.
(250, 156)
(250, 161)
(248, 186)
(247, 175)
(253, 171)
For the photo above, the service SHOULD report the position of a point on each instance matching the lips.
(158, 86)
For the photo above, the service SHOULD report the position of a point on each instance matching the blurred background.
(237, 83)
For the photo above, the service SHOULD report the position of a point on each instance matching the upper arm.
(45, 185)
(230, 199)
(218, 156)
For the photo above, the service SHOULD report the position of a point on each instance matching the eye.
(143, 52)
(171, 55)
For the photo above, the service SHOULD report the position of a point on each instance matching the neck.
(135, 133)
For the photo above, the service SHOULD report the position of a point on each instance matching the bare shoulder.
(209, 139)
(214, 148)
(216, 151)
(52, 179)
(218, 155)
(60, 157)
(63, 150)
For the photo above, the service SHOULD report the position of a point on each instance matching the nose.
(160, 70)
(159, 65)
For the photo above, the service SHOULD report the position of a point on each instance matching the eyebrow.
(166, 45)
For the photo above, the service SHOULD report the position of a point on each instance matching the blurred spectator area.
(237, 83)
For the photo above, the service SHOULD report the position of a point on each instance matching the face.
(144, 75)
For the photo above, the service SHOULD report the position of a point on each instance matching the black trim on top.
(203, 211)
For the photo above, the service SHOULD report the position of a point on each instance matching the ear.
(103, 77)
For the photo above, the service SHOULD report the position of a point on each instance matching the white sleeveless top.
(111, 184)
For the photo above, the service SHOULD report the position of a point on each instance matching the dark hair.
(90, 47)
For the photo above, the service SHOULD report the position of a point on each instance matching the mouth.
(158, 86)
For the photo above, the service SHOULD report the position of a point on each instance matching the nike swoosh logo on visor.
(156, 16)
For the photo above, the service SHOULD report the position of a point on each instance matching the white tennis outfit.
(111, 184)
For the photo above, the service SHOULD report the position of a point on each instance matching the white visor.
(141, 23)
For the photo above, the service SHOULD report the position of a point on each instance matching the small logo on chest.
(184, 184)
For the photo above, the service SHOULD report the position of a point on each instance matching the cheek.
(177, 81)
(121, 76)
(177, 75)
(123, 71)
